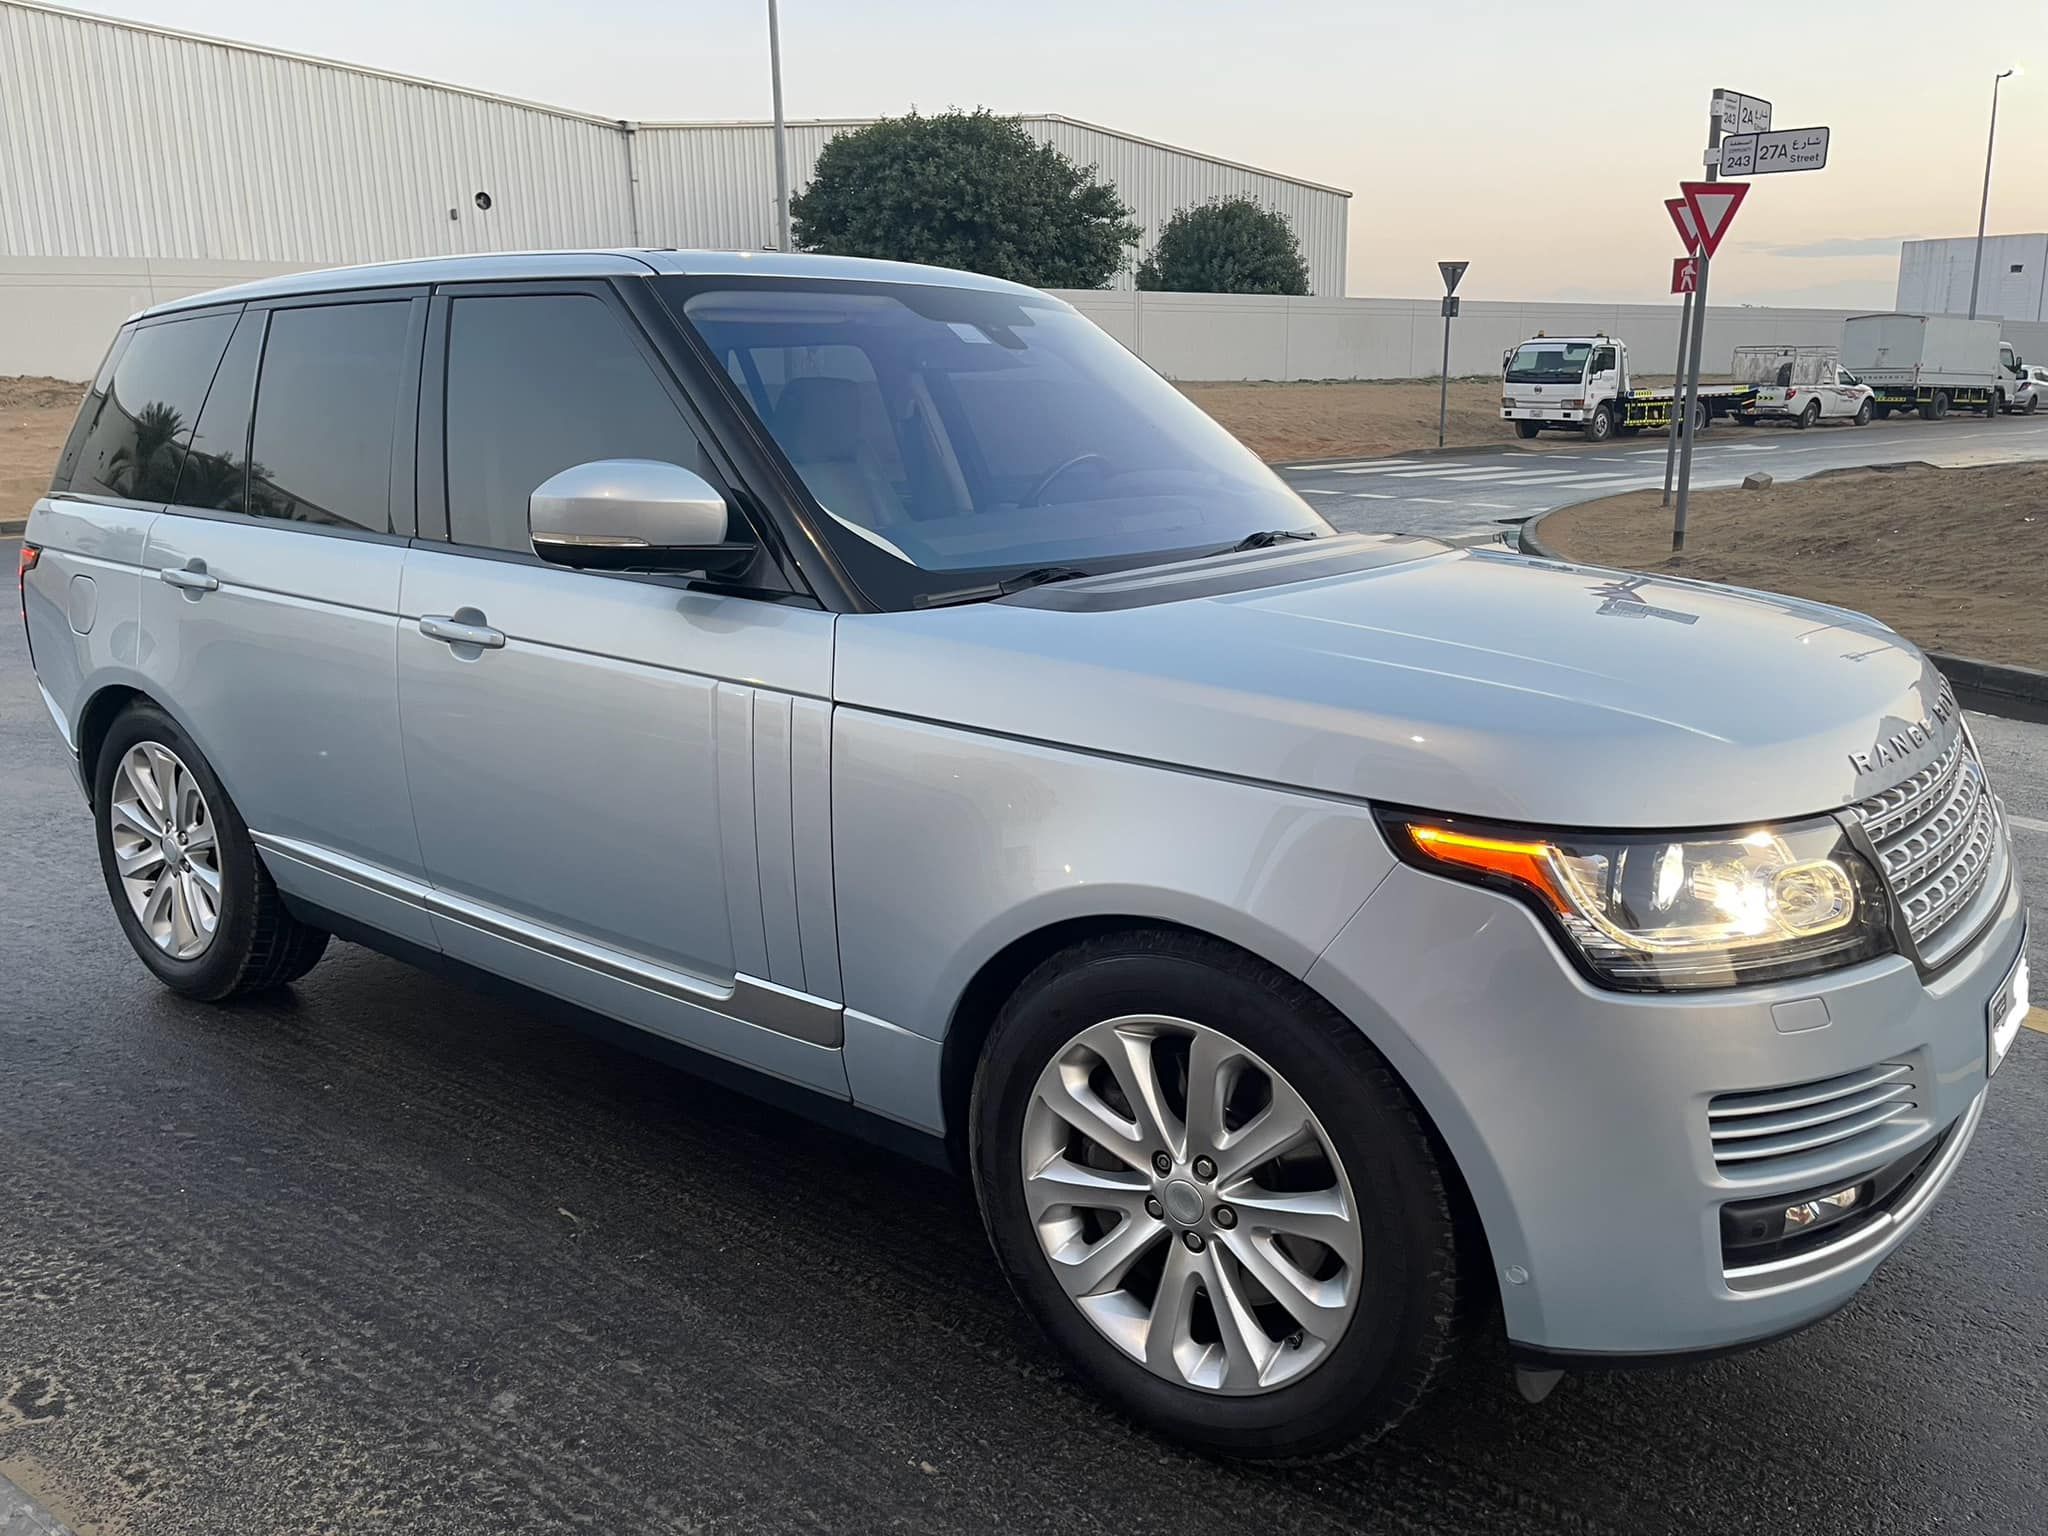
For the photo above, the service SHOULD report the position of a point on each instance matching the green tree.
(968, 190)
(1226, 245)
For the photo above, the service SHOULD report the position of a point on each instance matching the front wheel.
(1214, 1196)
(1600, 425)
(1527, 429)
(1863, 413)
(188, 887)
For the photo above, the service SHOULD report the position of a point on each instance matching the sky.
(1538, 150)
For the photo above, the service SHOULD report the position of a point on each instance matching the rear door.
(622, 795)
(270, 593)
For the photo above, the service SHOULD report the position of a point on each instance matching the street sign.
(1685, 274)
(1688, 231)
(1742, 114)
(1713, 205)
(1763, 154)
(1450, 306)
(1454, 272)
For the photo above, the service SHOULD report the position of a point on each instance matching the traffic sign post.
(1453, 272)
(1689, 236)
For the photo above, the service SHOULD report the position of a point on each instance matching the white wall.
(1227, 336)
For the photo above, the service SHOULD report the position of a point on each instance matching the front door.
(620, 782)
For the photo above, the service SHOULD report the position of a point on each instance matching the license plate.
(2008, 1009)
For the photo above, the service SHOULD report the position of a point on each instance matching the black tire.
(1863, 414)
(1599, 426)
(1399, 1340)
(1527, 429)
(257, 944)
(1940, 404)
(1702, 417)
(1744, 419)
(1996, 408)
(1884, 412)
(1807, 416)
(1926, 412)
(2033, 405)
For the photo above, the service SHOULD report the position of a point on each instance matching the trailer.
(1583, 383)
(1932, 363)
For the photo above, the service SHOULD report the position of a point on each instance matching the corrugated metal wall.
(124, 142)
(714, 184)
(1934, 277)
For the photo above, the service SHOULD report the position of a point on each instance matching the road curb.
(13, 527)
(1991, 687)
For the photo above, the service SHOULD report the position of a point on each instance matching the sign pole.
(1454, 273)
(1690, 396)
(1677, 383)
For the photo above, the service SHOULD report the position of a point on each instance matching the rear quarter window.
(135, 426)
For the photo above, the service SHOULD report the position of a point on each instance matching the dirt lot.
(35, 416)
(1282, 422)
(1953, 558)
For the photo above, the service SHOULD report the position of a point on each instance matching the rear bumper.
(1579, 1117)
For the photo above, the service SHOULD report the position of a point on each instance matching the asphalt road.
(387, 1255)
(1465, 493)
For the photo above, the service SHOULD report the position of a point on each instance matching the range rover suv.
(875, 678)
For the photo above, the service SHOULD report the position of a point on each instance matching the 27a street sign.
(1688, 232)
(1742, 114)
(1454, 272)
(1712, 205)
(1685, 274)
(1763, 154)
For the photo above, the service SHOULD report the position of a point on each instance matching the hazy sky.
(1539, 150)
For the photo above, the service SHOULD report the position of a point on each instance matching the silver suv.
(877, 678)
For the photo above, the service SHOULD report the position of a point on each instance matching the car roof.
(510, 266)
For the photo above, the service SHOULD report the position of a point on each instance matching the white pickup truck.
(1802, 385)
(1582, 382)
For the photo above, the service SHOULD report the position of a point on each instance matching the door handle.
(455, 632)
(192, 578)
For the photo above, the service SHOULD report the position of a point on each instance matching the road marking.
(1524, 453)
(1494, 506)
(1310, 490)
(1401, 467)
(1309, 469)
(2026, 823)
(1491, 474)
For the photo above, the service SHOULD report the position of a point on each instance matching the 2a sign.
(1742, 114)
(1764, 154)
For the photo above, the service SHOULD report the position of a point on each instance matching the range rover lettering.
(875, 678)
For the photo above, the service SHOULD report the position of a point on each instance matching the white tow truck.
(1582, 382)
(1802, 385)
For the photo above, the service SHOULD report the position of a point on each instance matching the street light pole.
(1984, 207)
(781, 133)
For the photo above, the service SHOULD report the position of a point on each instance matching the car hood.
(1475, 682)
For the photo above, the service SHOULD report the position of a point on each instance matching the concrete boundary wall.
(58, 313)
(1241, 336)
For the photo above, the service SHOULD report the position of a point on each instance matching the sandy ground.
(35, 418)
(1282, 422)
(1955, 559)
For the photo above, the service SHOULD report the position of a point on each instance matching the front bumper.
(1540, 413)
(1579, 1116)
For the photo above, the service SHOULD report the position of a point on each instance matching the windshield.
(1549, 362)
(958, 429)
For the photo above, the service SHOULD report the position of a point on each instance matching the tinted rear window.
(216, 465)
(132, 431)
(326, 409)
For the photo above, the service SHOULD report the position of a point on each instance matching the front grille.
(1936, 835)
(1774, 1130)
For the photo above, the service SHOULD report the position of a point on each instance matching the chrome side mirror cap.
(634, 515)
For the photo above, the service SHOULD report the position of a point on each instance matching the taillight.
(30, 554)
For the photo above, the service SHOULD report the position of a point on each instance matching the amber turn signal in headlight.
(1658, 912)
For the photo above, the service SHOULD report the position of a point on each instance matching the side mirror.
(633, 515)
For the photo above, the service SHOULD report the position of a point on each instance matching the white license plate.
(2007, 1011)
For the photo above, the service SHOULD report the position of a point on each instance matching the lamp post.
(1984, 207)
(781, 134)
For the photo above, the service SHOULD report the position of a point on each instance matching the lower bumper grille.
(1782, 1132)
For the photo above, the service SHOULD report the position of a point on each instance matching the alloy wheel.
(165, 850)
(1191, 1205)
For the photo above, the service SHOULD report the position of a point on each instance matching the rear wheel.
(1863, 412)
(1997, 406)
(1600, 425)
(1527, 429)
(1941, 404)
(189, 890)
(2033, 404)
(1214, 1196)
(1808, 416)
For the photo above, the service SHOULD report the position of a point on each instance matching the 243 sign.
(1764, 154)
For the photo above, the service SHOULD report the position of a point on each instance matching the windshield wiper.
(1266, 537)
(1003, 588)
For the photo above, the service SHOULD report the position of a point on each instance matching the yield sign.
(1713, 205)
(1688, 231)
(1452, 271)
(1685, 274)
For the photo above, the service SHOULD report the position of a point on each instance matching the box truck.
(1931, 363)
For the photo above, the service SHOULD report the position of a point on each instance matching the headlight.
(1654, 913)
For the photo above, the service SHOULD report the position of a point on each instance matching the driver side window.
(1603, 360)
